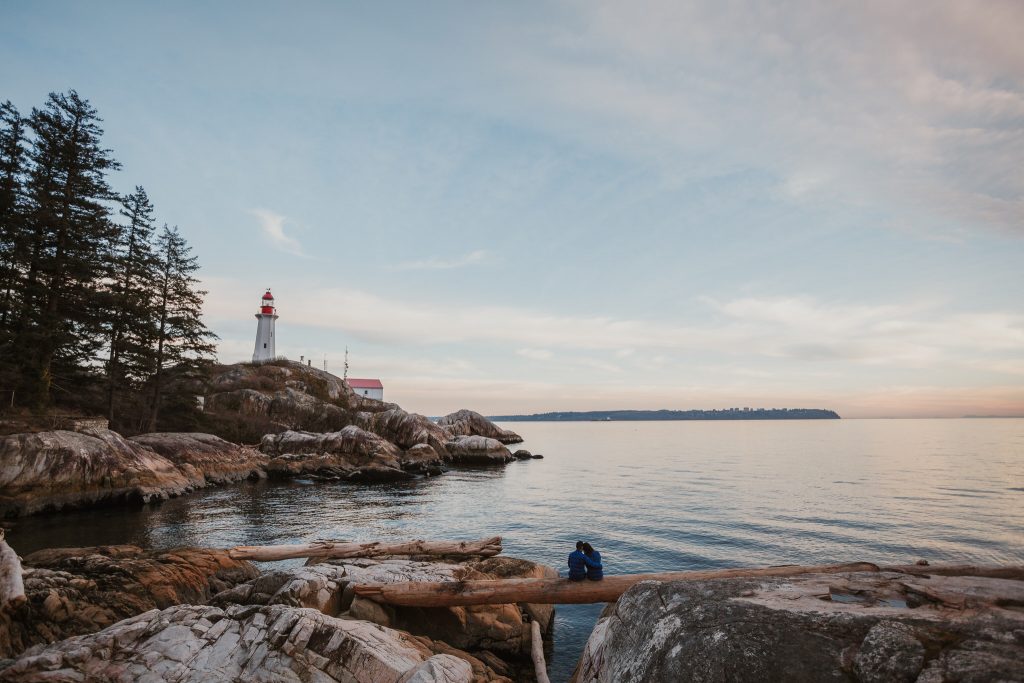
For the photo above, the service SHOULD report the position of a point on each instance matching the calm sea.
(651, 496)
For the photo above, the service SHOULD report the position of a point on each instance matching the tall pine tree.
(57, 333)
(182, 338)
(131, 294)
(12, 242)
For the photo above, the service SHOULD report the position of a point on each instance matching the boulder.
(868, 627)
(274, 643)
(469, 423)
(326, 586)
(206, 456)
(72, 591)
(522, 454)
(61, 469)
(405, 429)
(422, 459)
(478, 450)
(350, 453)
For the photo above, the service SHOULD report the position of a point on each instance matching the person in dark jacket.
(592, 559)
(577, 563)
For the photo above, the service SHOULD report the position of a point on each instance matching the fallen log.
(1014, 571)
(323, 550)
(563, 591)
(540, 667)
(12, 588)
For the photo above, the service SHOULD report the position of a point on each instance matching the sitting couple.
(585, 563)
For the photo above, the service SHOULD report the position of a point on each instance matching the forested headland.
(655, 415)
(97, 301)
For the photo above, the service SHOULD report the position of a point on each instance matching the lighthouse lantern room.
(265, 330)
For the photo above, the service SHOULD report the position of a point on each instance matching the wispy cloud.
(792, 329)
(273, 224)
(470, 259)
(880, 113)
(535, 354)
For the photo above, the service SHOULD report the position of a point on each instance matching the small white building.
(367, 388)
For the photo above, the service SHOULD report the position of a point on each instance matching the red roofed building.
(367, 388)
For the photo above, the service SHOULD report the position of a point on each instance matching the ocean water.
(651, 496)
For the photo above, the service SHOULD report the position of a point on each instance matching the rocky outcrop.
(327, 587)
(869, 627)
(205, 456)
(405, 429)
(72, 591)
(478, 450)
(60, 469)
(469, 423)
(350, 453)
(275, 643)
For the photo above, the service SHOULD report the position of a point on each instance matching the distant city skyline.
(571, 206)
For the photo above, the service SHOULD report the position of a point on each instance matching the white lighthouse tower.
(265, 330)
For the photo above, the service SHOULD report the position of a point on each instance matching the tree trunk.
(540, 667)
(158, 375)
(12, 589)
(563, 591)
(487, 547)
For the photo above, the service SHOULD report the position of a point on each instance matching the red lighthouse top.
(267, 306)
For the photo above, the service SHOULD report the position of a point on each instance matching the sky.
(525, 207)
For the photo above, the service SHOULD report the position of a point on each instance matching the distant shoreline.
(674, 415)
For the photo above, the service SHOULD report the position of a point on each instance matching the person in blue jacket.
(577, 563)
(592, 560)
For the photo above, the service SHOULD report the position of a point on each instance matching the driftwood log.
(540, 667)
(12, 588)
(563, 591)
(324, 550)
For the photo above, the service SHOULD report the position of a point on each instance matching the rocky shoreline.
(119, 613)
(57, 470)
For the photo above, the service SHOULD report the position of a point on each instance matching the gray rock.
(522, 454)
(61, 469)
(72, 591)
(327, 587)
(350, 453)
(478, 450)
(206, 456)
(837, 627)
(275, 643)
(889, 652)
(470, 423)
(406, 430)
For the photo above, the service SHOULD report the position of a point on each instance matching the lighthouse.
(265, 330)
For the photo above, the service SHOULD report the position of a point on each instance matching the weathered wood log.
(1013, 571)
(563, 591)
(12, 588)
(540, 667)
(486, 547)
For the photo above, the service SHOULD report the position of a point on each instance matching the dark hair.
(579, 545)
(588, 549)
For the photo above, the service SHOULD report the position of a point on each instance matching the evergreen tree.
(182, 338)
(131, 293)
(12, 243)
(57, 333)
